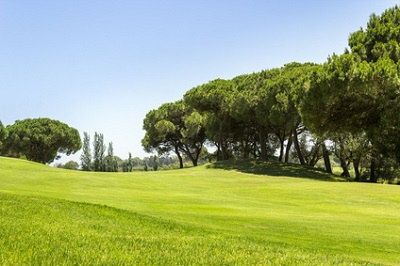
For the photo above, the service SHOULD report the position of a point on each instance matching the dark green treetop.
(41, 139)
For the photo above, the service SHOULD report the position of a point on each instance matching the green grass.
(237, 213)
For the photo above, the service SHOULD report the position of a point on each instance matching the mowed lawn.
(221, 214)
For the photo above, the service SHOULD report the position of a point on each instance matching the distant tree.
(111, 163)
(71, 165)
(86, 156)
(130, 163)
(3, 135)
(156, 162)
(41, 139)
(137, 161)
(127, 165)
(99, 149)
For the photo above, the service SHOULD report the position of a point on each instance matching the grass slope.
(195, 216)
(55, 232)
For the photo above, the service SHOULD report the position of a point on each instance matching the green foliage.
(111, 161)
(354, 94)
(252, 114)
(71, 165)
(347, 102)
(41, 139)
(380, 39)
(86, 156)
(99, 149)
(213, 100)
(174, 127)
(3, 135)
(156, 162)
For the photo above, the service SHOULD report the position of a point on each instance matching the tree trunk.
(357, 171)
(218, 150)
(327, 160)
(186, 150)
(288, 146)
(246, 150)
(373, 178)
(221, 151)
(224, 150)
(263, 144)
(281, 150)
(193, 159)
(179, 156)
(314, 155)
(222, 145)
(356, 164)
(297, 146)
(343, 164)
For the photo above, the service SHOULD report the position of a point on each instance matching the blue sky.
(102, 65)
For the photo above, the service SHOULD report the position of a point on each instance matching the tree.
(350, 96)
(264, 106)
(193, 135)
(111, 164)
(3, 135)
(86, 156)
(250, 108)
(289, 89)
(161, 134)
(130, 163)
(71, 165)
(156, 162)
(212, 101)
(99, 149)
(174, 127)
(380, 38)
(311, 149)
(41, 139)
(379, 45)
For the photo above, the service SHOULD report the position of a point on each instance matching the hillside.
(215, 214)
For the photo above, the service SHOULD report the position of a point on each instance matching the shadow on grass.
(274, 168)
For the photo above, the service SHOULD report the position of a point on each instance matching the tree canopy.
(3, 135)
(350, 102)
(41, 139)
(355, 96)
(174, 127)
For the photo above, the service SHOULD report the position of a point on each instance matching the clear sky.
(102, 65)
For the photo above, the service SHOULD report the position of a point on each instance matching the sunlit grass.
(205, 215)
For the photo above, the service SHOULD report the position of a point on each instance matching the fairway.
(215, 214)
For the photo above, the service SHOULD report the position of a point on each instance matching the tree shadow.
(274, 168)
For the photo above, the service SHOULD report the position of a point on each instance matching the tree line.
(98, 157)
(43, 140)
(98, 161)
(348, 106)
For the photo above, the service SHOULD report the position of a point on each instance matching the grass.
(223, 214)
